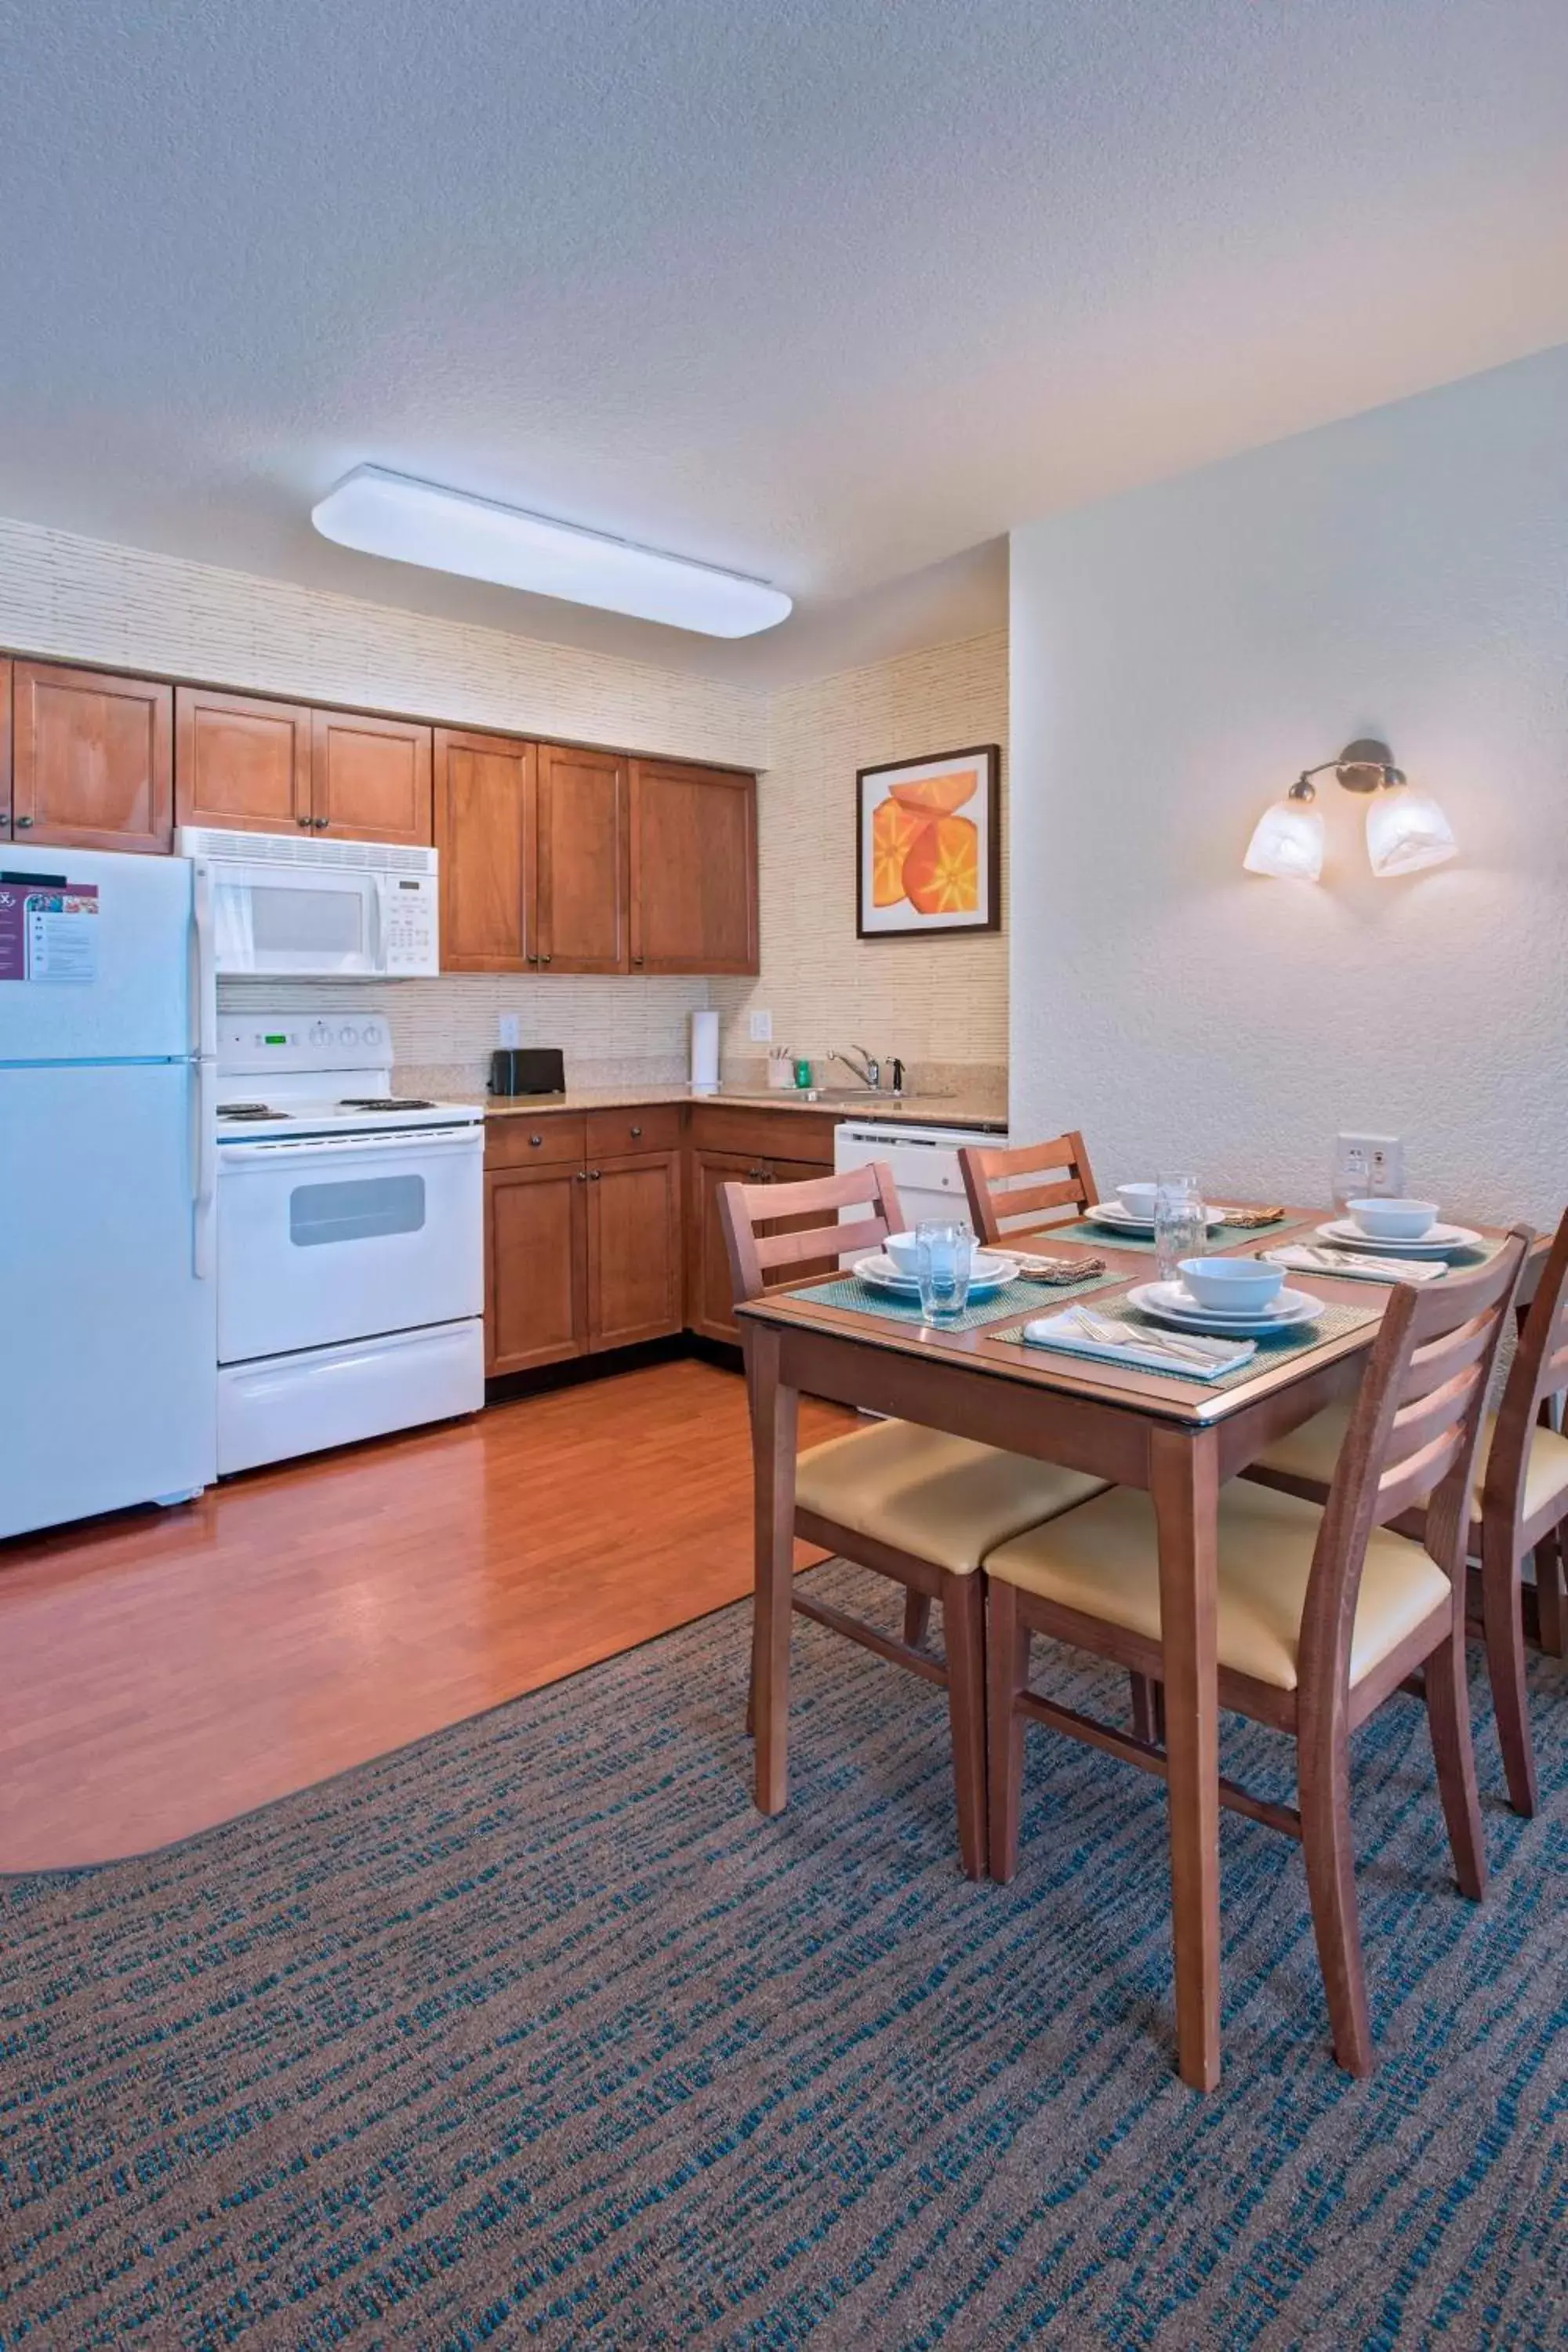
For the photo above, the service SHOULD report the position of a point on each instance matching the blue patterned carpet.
(536, 2033)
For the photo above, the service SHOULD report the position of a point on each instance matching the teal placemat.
(1036, 1297)
(1222, 1237)
(1277, 1347)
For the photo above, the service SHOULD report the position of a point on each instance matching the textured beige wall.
(936, 1000)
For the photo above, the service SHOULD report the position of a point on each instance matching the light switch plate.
(506, 1029)
(762, 1028)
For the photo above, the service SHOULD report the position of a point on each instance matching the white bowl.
(1232, 1285)
(904, 1249)
(1138, 1200)
(1393, 1221)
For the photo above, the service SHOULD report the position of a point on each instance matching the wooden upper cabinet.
(92, 759)
(370, 778)
(241, 763)
(693, 869)
(582, 852)
(485, 834)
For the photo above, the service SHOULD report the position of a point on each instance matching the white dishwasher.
(925, 1161)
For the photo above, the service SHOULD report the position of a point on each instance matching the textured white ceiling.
(829, 290)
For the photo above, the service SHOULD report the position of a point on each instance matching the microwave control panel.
(408, 908)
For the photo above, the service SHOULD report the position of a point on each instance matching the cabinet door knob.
(321, 823)
(582, 1175)
(638, 959)
(544, 959)
(636, 1130)
(22, 823)
(304, 820)
(593, 1175)
(536, 1140)
(534, 955)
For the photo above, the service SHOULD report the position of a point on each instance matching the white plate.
(1436, 1242)
(990, 1272)
(1168, 1302)
(1112, 1213)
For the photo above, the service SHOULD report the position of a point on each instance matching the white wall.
(1177, 655)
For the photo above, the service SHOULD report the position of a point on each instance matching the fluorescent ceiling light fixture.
(448, 530)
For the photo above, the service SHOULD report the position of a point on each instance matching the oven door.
(328, 1238)
(298, 922)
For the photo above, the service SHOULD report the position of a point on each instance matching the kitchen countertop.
(914, 1111)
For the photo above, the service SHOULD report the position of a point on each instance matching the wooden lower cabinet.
(634, 1250)
(710, 1311)
(536, 1239)
(602, 1232)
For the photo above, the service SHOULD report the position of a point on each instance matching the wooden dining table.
(1177, 1438)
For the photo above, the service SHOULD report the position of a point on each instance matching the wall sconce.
(1405, 830)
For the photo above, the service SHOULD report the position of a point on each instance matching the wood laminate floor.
(162, 1671)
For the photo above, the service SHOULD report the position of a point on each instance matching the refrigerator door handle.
(204, 977)
(203, 1252)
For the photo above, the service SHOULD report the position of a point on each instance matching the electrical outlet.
(762, 1028)
(1368, 1165)
(506, 1029)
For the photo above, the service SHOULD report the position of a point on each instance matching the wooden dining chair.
(1005, 1207)
(917, 1506)
(1518, 1506)
(1322, 1612)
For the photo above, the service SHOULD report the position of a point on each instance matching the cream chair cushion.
(946, 1499)
(1101, 1560)
(1311, 1451)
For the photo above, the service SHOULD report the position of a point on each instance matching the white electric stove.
(350, 1241)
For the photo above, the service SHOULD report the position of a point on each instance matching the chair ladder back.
(1412, 1436)
(1002, 1208)
(743, 1208)
(1538, 1373)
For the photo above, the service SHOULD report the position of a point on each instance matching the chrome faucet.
(866, 1069)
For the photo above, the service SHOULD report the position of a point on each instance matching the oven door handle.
(301, 1152)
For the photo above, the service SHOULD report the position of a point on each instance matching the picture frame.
(928, 845)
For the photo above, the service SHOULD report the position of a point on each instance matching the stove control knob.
(347, 1035)
(320, 1035)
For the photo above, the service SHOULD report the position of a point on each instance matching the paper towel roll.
(705, 1053)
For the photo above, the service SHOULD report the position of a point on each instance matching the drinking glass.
(944, 1253)
(1181, 1227)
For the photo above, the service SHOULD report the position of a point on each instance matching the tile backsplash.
(613, 1030)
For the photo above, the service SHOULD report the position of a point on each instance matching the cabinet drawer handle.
(636, 1131)
(22, 823)
(536, 1140)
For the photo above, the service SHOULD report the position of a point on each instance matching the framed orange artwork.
(928, 845)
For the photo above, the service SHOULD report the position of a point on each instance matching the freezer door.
(108, 1337)
(120, 986)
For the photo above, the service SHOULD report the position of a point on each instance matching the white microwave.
(304, 908)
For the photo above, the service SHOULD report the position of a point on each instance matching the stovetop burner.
(250, 1111)
(384, 1102)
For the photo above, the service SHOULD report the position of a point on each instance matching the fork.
(1111, 1335)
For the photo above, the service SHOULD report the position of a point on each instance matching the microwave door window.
(323, 928)
(234, 948)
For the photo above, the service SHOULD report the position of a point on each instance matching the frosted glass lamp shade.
(1405, 831)
(1287, 841)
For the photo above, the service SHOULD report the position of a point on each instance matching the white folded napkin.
(1199, 1359)
(1301, 1257)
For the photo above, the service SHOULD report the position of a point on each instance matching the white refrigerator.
(108, 1166)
